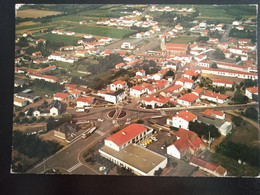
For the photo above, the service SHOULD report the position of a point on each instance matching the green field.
(183, 39)
(245, 135)
(103, 31)
(224, 13)
(67, 40)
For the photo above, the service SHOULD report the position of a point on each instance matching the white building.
(181, 119)
(250, 91)
(185, 82)
(138, 90)
(85, 102)
(215, 97)
(118, 85)
(187, 99)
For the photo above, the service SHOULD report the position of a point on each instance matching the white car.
(100, 120)
(127, 123)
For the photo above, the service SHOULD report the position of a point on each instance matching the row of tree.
(203, 130)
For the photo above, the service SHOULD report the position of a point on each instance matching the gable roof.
(215, 95)
(126, 134)
(209, 112)
(188, 139)
(187, 116)
(185, 80)
(189, 97)
(61, 95)
(222, 81)
(252, 89)
(85, 99)
(119, 82)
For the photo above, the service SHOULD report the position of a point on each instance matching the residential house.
(20, 102)
(155, 101)
(211, 168)
(118, 85)
(215, 97)
(251, 91)
(188, 143)
(83, 102)
(187, 99)
(138, 90)
(191, 73)
(222, 83)
(181, 119)
(185, 82)
(62, 96)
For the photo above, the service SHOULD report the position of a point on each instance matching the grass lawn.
(102, 31)
(67, 40)
(183, 39)
(247, 135)
(232, 166)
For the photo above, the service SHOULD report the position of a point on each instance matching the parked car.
(100, 120)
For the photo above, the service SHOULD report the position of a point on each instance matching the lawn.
(232, 166)
(34, 13)
(224, 14)
(103, 31)
(183, 39)
(67, 40)
(245, 135)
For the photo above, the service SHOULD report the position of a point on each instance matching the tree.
(240, 98)
(17, 120)
(41, 119)
(23, 42)
(218, 54)
(214, 65)
(143, 19)
(140, 121)
(238, 59)
(237, 120)
(158, 172)
(251, 112)
(21, 114)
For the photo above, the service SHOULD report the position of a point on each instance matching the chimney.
(71, 122)
(123, 133)
(58, 129)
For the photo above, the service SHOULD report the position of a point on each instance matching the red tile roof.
(127, 134)
(222, 81)
(204, 164)
(198, 90)
(172, 45)
(187, 116)
(191, 72)
(209, 112)
(189, 97)
(45, 69)
(119, 82)
(162, 100)
(185, 80)
(188, 139)
(252, 89)
(230, 71)
(173, 88)
(61, 95)
(85, 99)
(140, 87)
(215, 95)
(69, 85)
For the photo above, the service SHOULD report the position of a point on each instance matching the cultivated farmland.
(67, 40)
(34, 13)
(103, 31)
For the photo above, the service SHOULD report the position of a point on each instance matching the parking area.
(163, 140)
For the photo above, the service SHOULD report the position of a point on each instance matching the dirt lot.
(50, 137)
(24, 127)
(34, 13)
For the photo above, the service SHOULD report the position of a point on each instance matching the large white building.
(121, 148)
(181, 119)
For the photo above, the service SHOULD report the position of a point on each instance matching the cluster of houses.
(123, 148)
(61, 32)
(170, 9)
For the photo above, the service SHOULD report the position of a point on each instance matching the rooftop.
(127, 134)
(188, 116)
(141, 158)
(189, 97)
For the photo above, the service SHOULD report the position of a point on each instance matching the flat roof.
(210, 120)
(141, 158)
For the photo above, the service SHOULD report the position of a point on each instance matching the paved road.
(68, 158)
(226, 33)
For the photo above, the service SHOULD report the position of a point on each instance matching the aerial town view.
(143, 90)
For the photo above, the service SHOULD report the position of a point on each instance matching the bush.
(140, 121)
(252, 113)
(237, 120)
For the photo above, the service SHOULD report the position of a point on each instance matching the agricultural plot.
(34, 13)
(183, 39)
(66, 40)
(103, 13)
(103, 31)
